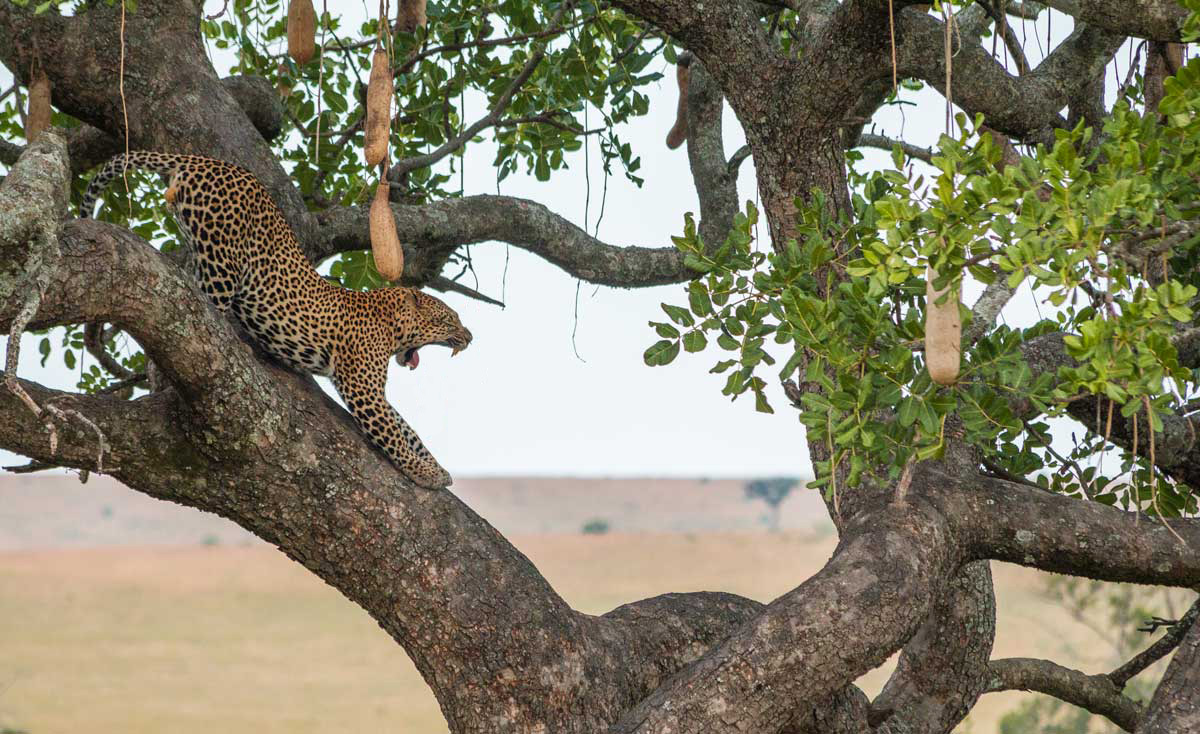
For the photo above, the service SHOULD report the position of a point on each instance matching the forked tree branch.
(1175, 707)
(1157, 651)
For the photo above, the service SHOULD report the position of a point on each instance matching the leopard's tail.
(164, 163)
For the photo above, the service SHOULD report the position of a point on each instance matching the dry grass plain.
(239, 639)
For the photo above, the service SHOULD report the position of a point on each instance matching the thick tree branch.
(431, 231)
(943, 669)
(716, 185)
(89, 147)
(148, 296)
(1022, 106)
(1158, 20)
(1096, 693)
(1031, 527)
(810, 643)
(725, 34)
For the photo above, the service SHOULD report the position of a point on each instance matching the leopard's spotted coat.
(248, 261)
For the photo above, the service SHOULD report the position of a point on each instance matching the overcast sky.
(520, 401)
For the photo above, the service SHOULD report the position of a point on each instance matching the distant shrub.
(210, 539)
(596, 526)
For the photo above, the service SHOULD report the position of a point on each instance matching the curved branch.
(944, 668)
(432, 231)
(1095, 693)
(813, 641)
(151, 298)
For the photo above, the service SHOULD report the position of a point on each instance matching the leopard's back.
(244, 254)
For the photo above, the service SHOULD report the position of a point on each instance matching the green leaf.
(665, 330)
(661, 353)
(695, 341)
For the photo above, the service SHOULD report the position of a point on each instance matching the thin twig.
(444, 284)
(491, 118)
(870, 140)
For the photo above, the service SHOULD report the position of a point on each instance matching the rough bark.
(944, 668)
(1095, 693)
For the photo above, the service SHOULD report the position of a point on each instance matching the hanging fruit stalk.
(411, 15)
(943, 331)
(301, 31)
(379, 109)
(385, 243)
(38, 117)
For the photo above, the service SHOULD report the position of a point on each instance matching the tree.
(926, 483)
(773, 492)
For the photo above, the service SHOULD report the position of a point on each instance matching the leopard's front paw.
(430, 476)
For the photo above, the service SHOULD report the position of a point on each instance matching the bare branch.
(431, 231)
(93, 341)
(882, 142)
(444, 284)
(1095, 693)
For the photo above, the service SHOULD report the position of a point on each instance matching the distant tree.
(773, 492)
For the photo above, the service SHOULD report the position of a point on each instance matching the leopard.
(249, 263)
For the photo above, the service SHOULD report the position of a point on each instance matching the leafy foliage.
(449, 74)
(1102, 230)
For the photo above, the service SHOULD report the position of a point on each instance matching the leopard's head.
(423, 320)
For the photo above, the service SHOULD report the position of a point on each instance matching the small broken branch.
(1158, 650)
(444, 284)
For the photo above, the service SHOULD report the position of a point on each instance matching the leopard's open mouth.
(410, 359)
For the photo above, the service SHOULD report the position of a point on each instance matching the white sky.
(519, 401)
